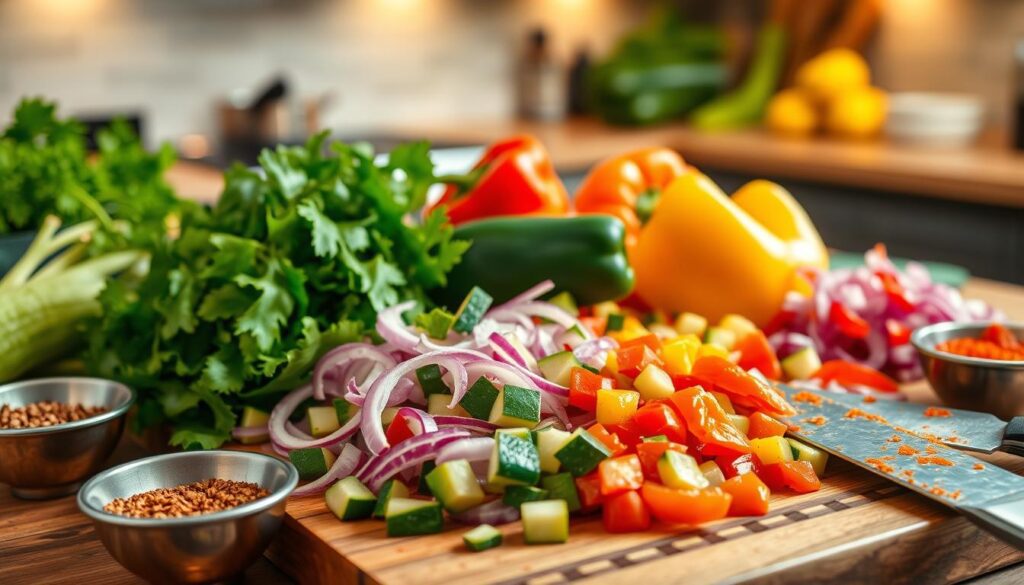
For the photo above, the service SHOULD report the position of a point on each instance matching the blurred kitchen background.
(942, 179)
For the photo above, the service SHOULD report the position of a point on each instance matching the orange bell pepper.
(607, 438)
(756, 352)
(625, 512)
(741, 387)
(762, 425)
(649, 453)
(749, 495)
(583, 387)
(588, 488)
(800, 477)
(620, 474)
(845, 373)
(677, 506)
(514, 176)
(706, 420)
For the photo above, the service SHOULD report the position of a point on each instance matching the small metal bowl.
(48, 462)
(192, 549)
(994, 386)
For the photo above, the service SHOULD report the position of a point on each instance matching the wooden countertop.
(52, 542)
(984, 173)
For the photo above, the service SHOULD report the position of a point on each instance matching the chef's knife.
(962, 429)
(988, 495)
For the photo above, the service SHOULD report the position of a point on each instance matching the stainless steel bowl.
(48, 462)
(193, 549)
(971, 383)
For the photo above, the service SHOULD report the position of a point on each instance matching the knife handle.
(1013, 436)
(1004, 518)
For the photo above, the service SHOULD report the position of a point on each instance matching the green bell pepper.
(583, 255)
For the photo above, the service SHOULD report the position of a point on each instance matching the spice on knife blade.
(907, 450)
(934, 460)
(937, 412)
(816, 420)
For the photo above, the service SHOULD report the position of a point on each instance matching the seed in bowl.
(45, 414)
(189, 499)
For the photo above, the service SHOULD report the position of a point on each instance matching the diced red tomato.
(632, 359)
(897, 332)
(583, 387)
(762, 425)
(756, 352)
(799, 476)
(588, 488)
(650, 452)
(706, 420)
(773, 476)
(740, 386)
(658, 418)
(650, 340)
(675, 506)
(628, 432)
(845, 373)
(625, 512)
(595, 324)
(399, 430)
(608, 438)
(620, 474)
(738, 464)
(749, 495)
(848, 322)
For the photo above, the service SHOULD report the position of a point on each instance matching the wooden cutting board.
(857, 528)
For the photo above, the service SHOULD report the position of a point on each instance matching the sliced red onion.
(494, 513)
(347, 462)
(594, 352)
(550, 312)
(500, 343)
(474, 449)
(392, 328)
(419, 421)
(467, 423)
(402, 393)
(250, 432)
(280, 435)
(534, 292)
(410, 452)
(342, 355)
(786, 344)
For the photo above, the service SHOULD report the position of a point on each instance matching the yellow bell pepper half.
(706, 253)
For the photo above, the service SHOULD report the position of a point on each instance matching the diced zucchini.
(408, 517)
(582, 453)
(574, 336)
(720, 336)
(422, 488)
(615, 322)
(724, 402)
(349, 499)
(691, 323)
(565, 301)
(801, 364)
(517, 494)
(253, 417)
(558, 366)
(739, 325)
(513, 462)
(742, 423)
(516, 407)
(804, 452)
(654, 383)
(479, 399)
(436, 323)
(655, 439)
(388, 414)
(616, 407)
(771, 450)
(431, 380)
(472, 310)
(562, 486)
(545, 522)
(482, 537)
(712, 472)
(437, 404)
(454, 484)
(549, 441)
(344, 410)
(605, 308)
(323, 420)
(679, 470)
(392, 489)
(311, 463)
(517, 432)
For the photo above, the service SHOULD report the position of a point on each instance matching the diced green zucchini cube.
(565, 301)
(801, 364)
(679, 470)
(392, 489)
(472, 310)
(516, 407)
(514, 461)
(804, 452)
(518, 432)
(253, 417)
(654, 383)
(388, 414)
(557, 367)
(655, 439)
(407, 517)
(720, 336)
(712, 472)
(742, 423)
(517, 494)
(344, 410)
(545, 522)
(425, 469)
(432, 380)
(454, 484)
(724, 401)
(323, 420)
(562, 486)
(480, 398)
(549, 441)
(582, 453)
(615, 322)
(436, 323)
(311, 463)
(437, 405)
(349, 499)
(482, 537)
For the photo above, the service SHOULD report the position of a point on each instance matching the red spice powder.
(978, 467)
(938, 491)
(858, 413)
(807, 397)
(816, 420)
(870, 399)
(934, 460)
(907, 450)
(931, 450)
(880, 463)
(956, 495)
(895, 439)
(908, 472)
(937, 412)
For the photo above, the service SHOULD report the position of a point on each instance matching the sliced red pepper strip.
(762, 425)
(897, 332)
(733, 380)
(632, 359)
(706, 420)
(895, 292)
(849, 323)
(675, 506)
(738, 464)
(756, 352)
(658, 418)
(846, 373)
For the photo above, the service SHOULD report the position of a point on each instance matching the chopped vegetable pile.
(518, 411)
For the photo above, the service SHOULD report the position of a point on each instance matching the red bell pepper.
(706, 420)
(762, 425)
(738, 464)
(676, 506)
(399, 430)
(632, 359)
(607, 438)
(849, 323)
(588, 487)
(620, 474)
(756, 352)
(658, 418)
(625, 512)
(514, 176)
(583, 387)
(894, 291)
(595, 324)
(651, 340)
(846, 373)
(800, 477)
(628, 432)
(649, 453)
(749, 495)
(897, 332)
(741, 387)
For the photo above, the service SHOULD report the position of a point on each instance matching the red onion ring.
(473, 449)
(279, 417)
(347, 462)
(343, 354)
(408, 453)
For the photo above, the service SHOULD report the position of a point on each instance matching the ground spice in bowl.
(190, 499)
(46, 413)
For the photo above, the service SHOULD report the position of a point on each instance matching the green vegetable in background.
(291, 262)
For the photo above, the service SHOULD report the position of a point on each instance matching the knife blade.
(987, 494)
(962, 429)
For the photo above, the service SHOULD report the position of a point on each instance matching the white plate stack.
(934, 119)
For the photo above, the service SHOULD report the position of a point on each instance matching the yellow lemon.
(858, 113)
(832, 73)
(792, 113)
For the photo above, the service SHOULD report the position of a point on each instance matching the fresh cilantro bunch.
(293, 260)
